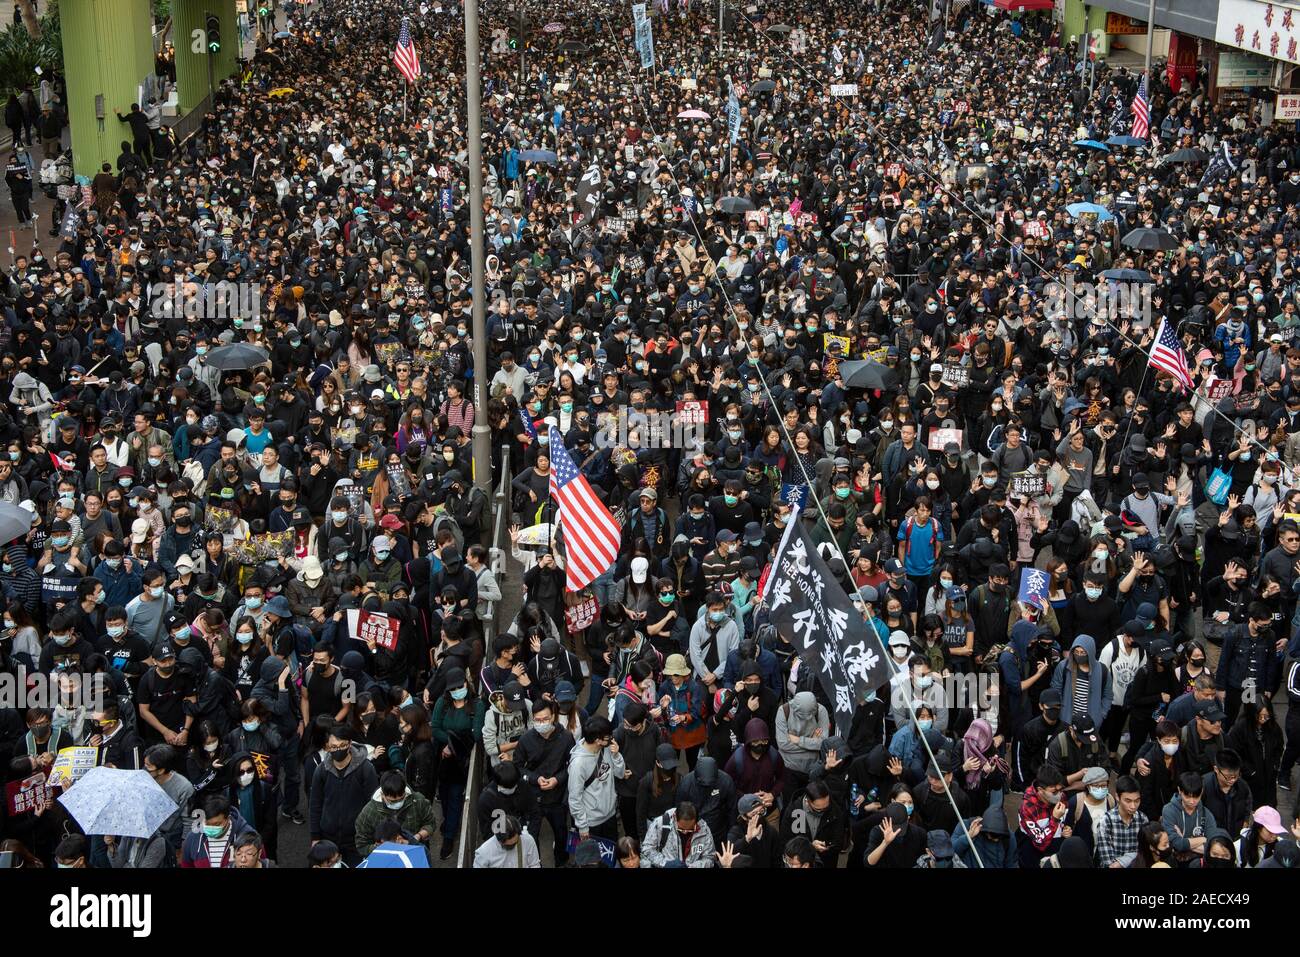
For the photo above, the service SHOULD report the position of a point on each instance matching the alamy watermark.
(212, 300)
(71, 690)
(1107, 301)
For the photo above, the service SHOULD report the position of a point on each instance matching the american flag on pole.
(407, 60)
(1141, 111)
(591, 536)
(1168, 356)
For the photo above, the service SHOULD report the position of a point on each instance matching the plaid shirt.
(1115, 838)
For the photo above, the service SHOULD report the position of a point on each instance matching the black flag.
(807, 604)
(1220, 168)
(590, 192)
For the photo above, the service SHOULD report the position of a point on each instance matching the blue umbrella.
(1127, 275)
(282, 34)
(1125, 140)
(398, 856)
(1092, 145)
(1080, 209)
(537, 156)
(118, 802)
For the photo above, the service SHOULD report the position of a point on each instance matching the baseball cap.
(1210, 710)
(139, 530)
(456, 679)
(726, 535)
(640, 567)
(1268, 818)
(893, 567)
(899, 639)
(514, 693)
(1084, 727)
(666, 757)
(565, 692)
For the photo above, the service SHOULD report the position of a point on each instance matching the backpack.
(446, 521)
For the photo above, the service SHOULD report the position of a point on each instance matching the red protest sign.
(25, 795)
(580, 616)
(692, 413)
(379, 627)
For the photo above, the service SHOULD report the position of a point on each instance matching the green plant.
(20, 54)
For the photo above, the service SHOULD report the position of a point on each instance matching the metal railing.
(187, 125)
(478, 759)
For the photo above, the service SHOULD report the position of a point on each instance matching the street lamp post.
(473, 108)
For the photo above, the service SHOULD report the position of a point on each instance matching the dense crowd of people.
(213, 541)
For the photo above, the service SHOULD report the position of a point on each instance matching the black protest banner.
(806, 603)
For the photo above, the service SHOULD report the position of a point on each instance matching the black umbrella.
(237, 357)
(1149, 239)
(574, 46)
(763, 86)
(1127, 275)
(779, 28)
(735, 204)
(1188, 155)
(867, 374)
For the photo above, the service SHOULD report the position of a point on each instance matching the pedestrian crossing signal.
(213, 26)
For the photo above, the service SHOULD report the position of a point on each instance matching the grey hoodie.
(803, 717)
(1099, 686)
(594, 805)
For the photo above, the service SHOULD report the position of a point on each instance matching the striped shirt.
(461, 414)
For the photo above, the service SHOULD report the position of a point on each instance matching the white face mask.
(932, 484)
(246, 779)
(1170, 749)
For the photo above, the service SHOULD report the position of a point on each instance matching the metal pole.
(473, 85)
(1151, 29)
(720, 7)
(522, 44)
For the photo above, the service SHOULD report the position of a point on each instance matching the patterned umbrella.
(118, 802)
(553, 27)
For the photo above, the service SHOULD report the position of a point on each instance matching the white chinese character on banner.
(780, 593)
(804, 619)
(800, 556)
(843, 700)
(859, 660)
(838, 621)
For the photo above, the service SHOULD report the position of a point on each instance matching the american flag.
(1168, 356)
(591, 535)
(407, 60)
(1141, 111)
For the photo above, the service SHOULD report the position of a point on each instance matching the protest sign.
(71, 765)
(373, 625)
(955, 376)
(1033, 587)
(941, 437)
(692, 413)
(1028, 484)
(26, 795)
(581, 615)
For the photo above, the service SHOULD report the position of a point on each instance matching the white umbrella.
(15, 521)
(118, 802)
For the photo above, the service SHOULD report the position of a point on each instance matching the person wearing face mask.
(160, 700)
(212, 844)
(147, 613)
(1092, 610)
(1042, 824)
(65, 649)
(1083, 683)
(340, 790)
(254, 798)
(395, 801)
(896, 841)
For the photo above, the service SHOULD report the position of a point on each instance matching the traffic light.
(213, 26)
(263, 10)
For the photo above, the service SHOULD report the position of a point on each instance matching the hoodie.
(712, 792)
(1099, 687)
(1012, 664)
(283, 703)
(809, 721)
(214, 694)
(338, 797)
(752, 775)
(662, 845)
(592, 795)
